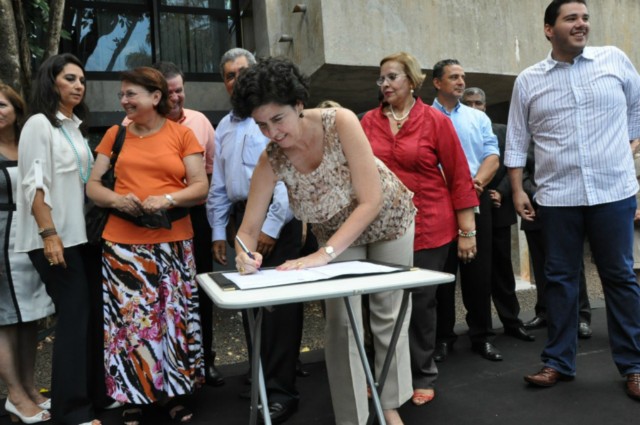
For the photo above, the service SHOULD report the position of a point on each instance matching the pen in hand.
(245, 249)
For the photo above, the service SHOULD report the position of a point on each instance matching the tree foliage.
(32, 30)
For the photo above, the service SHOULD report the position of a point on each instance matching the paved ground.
(230, 341)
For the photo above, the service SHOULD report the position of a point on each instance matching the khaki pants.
(344, 366)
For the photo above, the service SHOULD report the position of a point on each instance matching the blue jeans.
(609, 229)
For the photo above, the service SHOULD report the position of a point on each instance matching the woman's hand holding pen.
(247, 262)
(248, 265)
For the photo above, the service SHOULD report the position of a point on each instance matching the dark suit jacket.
(506, 214)
(529, 185)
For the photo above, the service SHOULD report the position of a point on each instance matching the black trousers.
(503, 282)
(281, 327)
(422, 327)
(71, 375)
(204, 264)
(475, 283)
(535, 242)
(446, 300)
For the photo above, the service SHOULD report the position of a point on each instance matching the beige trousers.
(347, 379)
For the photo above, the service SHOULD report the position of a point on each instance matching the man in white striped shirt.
(581, 109)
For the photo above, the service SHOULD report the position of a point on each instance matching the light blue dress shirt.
(580, 117)
(238, 146)
(474, 131)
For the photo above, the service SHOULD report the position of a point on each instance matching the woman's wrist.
(467, 234)
(46, 232)
(171, 200)
(328, 253)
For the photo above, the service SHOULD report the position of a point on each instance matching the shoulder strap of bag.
(117, 145)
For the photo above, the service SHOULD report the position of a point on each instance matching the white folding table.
(312, 291)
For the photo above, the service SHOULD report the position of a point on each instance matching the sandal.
(132, 416)
(178, 412)
(421, 398)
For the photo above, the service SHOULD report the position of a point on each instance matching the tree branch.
(56, 14)
(9, 63)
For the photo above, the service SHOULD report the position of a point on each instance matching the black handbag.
(96, 217)
(159, 220)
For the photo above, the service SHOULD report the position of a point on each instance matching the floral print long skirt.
(153, 343)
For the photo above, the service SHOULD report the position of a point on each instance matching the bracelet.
(45, 233)
(469, 234)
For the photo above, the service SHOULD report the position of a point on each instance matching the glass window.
(115, 35)
(118, 1)
(193, 42)
(209, 4)
(114, 41)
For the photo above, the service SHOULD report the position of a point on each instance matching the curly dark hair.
(271, 80)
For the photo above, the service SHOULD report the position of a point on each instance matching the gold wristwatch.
(330, 251)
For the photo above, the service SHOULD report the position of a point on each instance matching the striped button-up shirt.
(580, 117)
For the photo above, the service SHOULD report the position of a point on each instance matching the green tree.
(31, 30)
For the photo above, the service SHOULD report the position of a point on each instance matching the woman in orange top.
(153, 347)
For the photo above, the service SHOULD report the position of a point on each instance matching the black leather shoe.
(213, 376)
(536, 323)
(488, 351)
(584, 330)
(279, 412)
(301, 371)
(519, 332)
(442, 351)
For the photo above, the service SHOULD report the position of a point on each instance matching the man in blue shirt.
(580, 108)
(480, 146)
(503, 282)
(238, 145)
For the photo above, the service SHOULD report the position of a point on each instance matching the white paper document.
(273, 277)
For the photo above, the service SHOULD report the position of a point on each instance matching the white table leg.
(406, 296)
(258, 387)
(365, 364)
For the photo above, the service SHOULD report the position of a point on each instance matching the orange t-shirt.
(150, 165)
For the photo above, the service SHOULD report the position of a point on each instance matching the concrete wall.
(488, 36)
(307, 29)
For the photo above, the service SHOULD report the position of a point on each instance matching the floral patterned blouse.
(325, 197)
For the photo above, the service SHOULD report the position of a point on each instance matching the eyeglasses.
(391, 77)
(127, 94)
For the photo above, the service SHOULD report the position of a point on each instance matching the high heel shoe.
(45, 405)
(43, 416)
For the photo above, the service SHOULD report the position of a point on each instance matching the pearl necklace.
(84, 177)
(402, 118)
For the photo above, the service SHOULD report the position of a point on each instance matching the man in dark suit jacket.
(503, 283)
